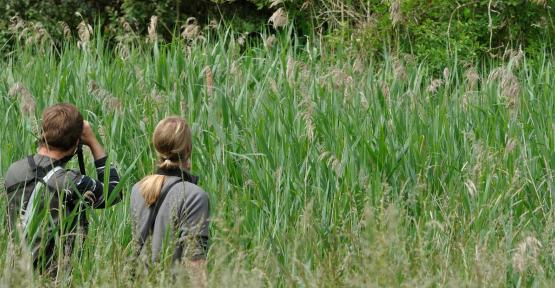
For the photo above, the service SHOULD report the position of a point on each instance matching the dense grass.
(324, 168)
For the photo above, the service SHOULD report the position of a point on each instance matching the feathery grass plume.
(38, 34)
(273, 86)
(242, 39)
(446, 74)
(213, 24)
(270, 41)
(102, 133)
(514, 57)
(339, 78)
(470, 187)
(307, 112)
(17, 25)
(126, 26)
(66, 31)
(358, 65)
(183, 107)
(279, 18)
(108, 100)
(209, 81)
(331, 160)
(290, 70)
(435, 84)
(399, 70)
(85, 32)
(395, 13)
(384, 87)
(363, 101)
(275, 3)
(191, 30)
(510, 146)
(540, 2)
(472, 77)
(27, 104)
(152, 26)
(526, 254)
(157, 97)
(509, 85)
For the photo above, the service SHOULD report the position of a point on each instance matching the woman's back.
(183, 216)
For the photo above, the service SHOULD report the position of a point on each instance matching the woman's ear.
(188, 164)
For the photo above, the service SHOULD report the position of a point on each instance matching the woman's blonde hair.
(173, 143)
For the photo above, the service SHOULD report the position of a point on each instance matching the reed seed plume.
(434, 86)
(508, 84)
(209, 81)
(358, 65)
(395, 13)
(105, 97)
(290, 70)
(527, 254)
(191, 29)
(307, 113)
(66, 31)
(152, 29)
(399, 70)
(270, 41)
(279, 18)
(85, 32)
(472, 77)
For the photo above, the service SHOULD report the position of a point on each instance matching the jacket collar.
(177, 172)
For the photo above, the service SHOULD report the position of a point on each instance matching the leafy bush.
(432, 30)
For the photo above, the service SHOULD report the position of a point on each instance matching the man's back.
(64, 190)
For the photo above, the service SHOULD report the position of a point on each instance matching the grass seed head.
(434, 86)
(527, 254)
(270, 41)
(290, 70)
(472, 77)
(399, 70)
(279, 18)
(152, 29)
(395, 13)
(191, 30)
(65, 29)
(85, 32)
(209, 79)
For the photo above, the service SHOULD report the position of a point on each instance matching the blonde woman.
(168, 205)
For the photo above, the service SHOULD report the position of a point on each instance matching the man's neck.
(53, 154)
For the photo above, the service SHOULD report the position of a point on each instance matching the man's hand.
(89, 138)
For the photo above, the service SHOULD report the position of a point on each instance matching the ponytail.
(150, 187)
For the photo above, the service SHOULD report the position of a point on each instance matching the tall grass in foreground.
(324, 169)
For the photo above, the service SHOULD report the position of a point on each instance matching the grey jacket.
(182, 219)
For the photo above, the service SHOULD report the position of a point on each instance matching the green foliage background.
(432, 30)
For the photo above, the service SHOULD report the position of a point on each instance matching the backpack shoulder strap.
(153, 212)
(28, 212)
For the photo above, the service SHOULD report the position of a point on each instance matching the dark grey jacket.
(66, 190)
(182, 220)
